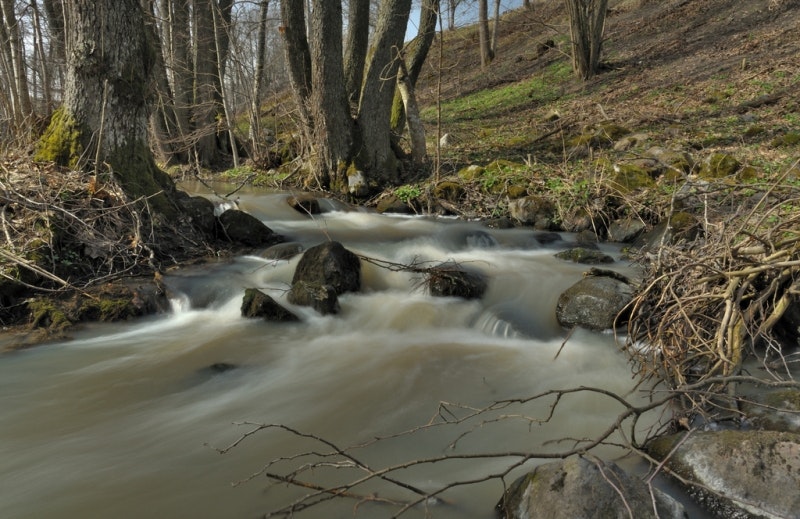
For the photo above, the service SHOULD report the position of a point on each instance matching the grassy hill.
(685, 72)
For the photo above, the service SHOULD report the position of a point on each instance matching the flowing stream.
(124, 420)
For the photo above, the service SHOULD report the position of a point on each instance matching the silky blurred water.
(123, 420)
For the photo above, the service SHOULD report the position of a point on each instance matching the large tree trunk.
(105, 112)
(356, 48)
(375, 155)
(332, 122)
(298, 58)
(587, 21)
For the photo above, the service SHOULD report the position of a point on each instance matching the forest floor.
(691, 74)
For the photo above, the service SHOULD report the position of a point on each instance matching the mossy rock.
(515, 191)
(630, 177)
(754, 130)
(584, 256)
(612, 131)
(718, 165)
(449, 190)
(678, 161)
(46, 313)
(747, 174)
(503, 167)
(471, 172)
(788, 139)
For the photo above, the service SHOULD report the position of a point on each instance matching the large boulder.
(737, 474)
(594, 302)
(240, 227)
(330, 264)
(585, 256)
(451, 280)
(533, 210)
(578, 488)
(199, 210)
(256, 303)
(321, 298)
(774, 410)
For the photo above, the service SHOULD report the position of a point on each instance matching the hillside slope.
(694, 73)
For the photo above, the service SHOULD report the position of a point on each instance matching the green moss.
(789, 139)
(630, 177)
(449, 190)
(46, 314)
(718, 165)
(471, 173)
(516, 191)
(61, 141)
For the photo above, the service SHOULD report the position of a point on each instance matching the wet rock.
(594, 302)
(585, 256)
(577, 487)
(547, 237)
(240, 227)
(630, 177)
(451, 280)
(321, 298)
(283, 251)
(329, 264)
(533, 210)
(217, 368)
(392, 204)
(200, 211)
(256, 303)
(775, 410)
(625, 230)
(681, 226)
(304, 204)
(740, 474)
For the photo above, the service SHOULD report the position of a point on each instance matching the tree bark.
(20, 93)
(483, 33)
(106, 92)
(332, 122)
(587, 21)
(356, 48)
(258, 79)
(495, 28)
(298, 58)
(374, 115)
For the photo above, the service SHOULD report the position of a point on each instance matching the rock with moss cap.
(737, 474)
(579, 488)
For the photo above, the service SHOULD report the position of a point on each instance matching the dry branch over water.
(709, 306)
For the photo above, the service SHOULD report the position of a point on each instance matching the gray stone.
(256, 303)
(240, 227)
(450, 280)
(594, 303)
(321, 298)
(330, 264)
(739, 474)
(577, 488)
(625, 230)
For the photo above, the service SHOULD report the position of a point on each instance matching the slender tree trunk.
(206, 100)
(451, 14)
(105, 111)
(221, 27)
(22, 100)
(587, 21)
(414, 55)
(47, 95)
(356, 48)
(495, 28)
(527, 4)
(483, 33)
(258, 79)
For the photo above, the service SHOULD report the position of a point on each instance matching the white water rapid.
(123, 420)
